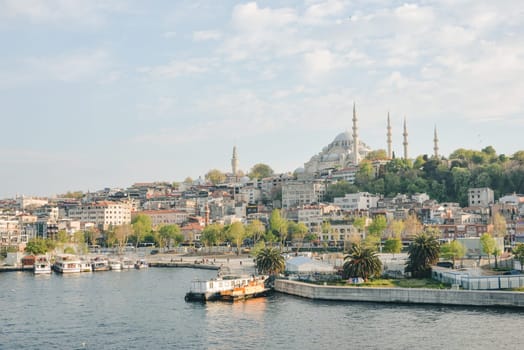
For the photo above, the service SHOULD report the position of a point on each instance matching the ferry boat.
(115, 264)
(141, 264)
(67, 263)
(100, 264)
(42, 265)
(85, 266)
(128, 264)
(228, 288)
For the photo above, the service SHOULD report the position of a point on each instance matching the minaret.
(234, 162)
(405, 143)
(355, 136)
(390, 151)
(435, 143)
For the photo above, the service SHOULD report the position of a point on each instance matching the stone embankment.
(185, 264)
(402, 295)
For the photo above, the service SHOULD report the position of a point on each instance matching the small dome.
(299, 170)
(245, 179)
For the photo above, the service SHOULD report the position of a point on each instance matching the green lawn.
(398, 283)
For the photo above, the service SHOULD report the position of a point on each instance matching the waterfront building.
(102, 214)
(165, 217)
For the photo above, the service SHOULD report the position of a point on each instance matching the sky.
(97, 94)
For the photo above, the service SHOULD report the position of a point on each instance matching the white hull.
(42, 269)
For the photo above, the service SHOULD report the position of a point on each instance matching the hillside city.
(334, 200)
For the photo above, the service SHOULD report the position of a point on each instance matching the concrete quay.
(402, 295)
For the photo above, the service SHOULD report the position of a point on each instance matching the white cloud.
(206, 35)
(249, 17)
(169, 35)
(177, 68)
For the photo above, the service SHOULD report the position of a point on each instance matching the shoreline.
(486, 298)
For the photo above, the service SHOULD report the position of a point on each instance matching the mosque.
(347, 150)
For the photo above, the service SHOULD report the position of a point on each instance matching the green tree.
(260, 171)
(278, 225)
(518, 253)
(167, 234)
(237, 232)
(339, 189)
(298, 232)
(362, 262)
(422, 253)
(142, 226)
(210, 235)
(499, 225)
(452, 250)
(256, 229)
(377, 227)
(62, 237)
(488, 245)
(269, 261)
(379, 154)
(121, 235)
(393, 245)
(215, 176)
(364, 175)
(37, 246)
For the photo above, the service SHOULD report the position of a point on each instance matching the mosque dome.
(344, 136)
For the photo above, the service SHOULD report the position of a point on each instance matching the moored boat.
(85, 266)
(100, 264)
(228, 288)
(127, 264)
(42, 265)
(115, 264)
(67, 263)
(141, 264)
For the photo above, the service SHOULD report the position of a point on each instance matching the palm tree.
(269, 261)
(362, 262)
(423, 252)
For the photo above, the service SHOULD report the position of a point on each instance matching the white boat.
(141, 264)
(115, 264)
(100, 264)
(128, 264)
(42, 265)
(85, 266)
(228, 288)
(67, 263)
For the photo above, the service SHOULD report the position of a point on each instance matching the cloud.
(206, 35)
(169, 35)
(177, 68)
(78, 11)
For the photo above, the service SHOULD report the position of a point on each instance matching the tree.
(362, 262)
(256, 229)
(166, 234)
(499, 225)
(269, 261)
(422, 253)
(488, 244)
(121, 236)
(393, 245)
(377, 227)
(339, 189)
(452, 250)
(518, 253)
(379, 154)
(395, 228)
(210, 234)
(37, 246)
(412, 226)
(260, 171)
(215, 176)
(298, 232)
(141, 227)
(91, 236)
(237, 233)
(278, 225)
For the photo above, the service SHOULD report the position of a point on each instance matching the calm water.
(145, 309)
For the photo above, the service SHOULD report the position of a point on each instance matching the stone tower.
(355, 136)
(234, 162)
(435, 143)
(405, 143)
(390, 150)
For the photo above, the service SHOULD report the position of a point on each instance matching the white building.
(165, 217)
(299, 193)
(357, 201)
(102, 214)
(481, 197)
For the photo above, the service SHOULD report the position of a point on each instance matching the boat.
(228, 288)
(85, 266)
(115, 264)
(141, 264)
(67, 263)
(128, 264)
(100, 264)
(42, 265)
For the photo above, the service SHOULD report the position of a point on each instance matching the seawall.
(402, 295)
(184, 264)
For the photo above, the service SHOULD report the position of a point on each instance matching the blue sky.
(98, 94)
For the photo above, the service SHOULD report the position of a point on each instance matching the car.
(154, 252)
